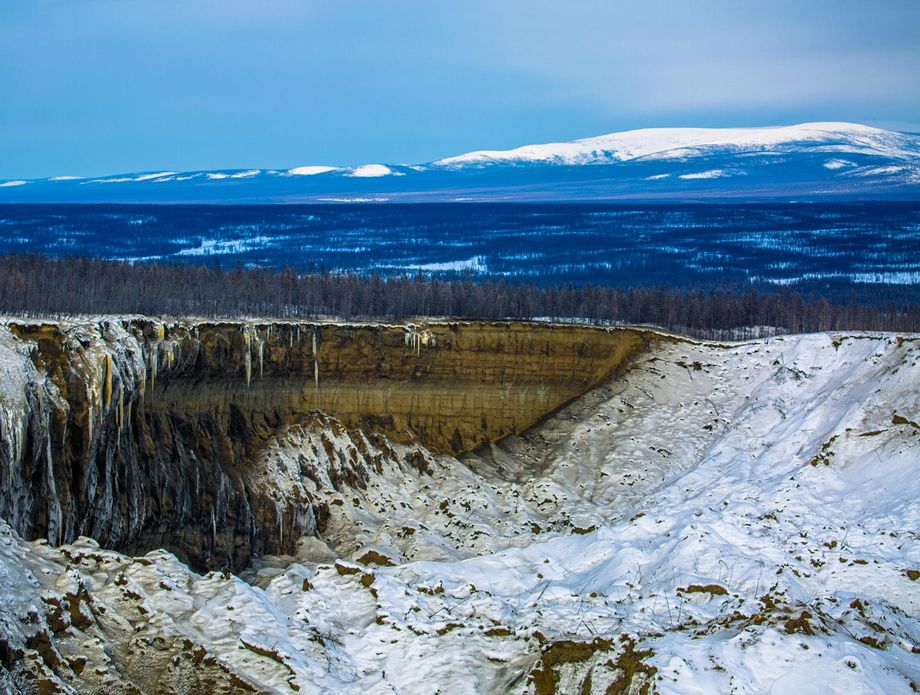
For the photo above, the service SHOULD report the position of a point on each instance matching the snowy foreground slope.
(720, 518)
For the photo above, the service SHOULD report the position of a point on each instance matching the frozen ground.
(720, 519)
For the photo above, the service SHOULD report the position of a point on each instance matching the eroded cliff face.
(142, 434)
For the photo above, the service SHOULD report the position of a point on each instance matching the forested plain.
(38, 286)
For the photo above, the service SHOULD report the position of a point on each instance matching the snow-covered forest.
(38, 286)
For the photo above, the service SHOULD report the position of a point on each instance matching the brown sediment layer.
(451, 386)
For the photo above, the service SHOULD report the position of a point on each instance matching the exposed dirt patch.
(372, 557)
(713, 589)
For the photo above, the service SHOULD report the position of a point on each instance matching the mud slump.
(140, 433)
(614, 667)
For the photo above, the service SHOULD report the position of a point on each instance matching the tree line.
(35, 285)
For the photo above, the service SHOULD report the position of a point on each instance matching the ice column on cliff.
(247, 341)
(154, 359)
(416, 339)
(261, 353)
(315, 362)
(107, 389)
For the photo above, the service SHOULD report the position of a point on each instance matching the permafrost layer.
(717, 518)
(142, 434)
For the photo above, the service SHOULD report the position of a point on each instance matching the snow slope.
(722, 518)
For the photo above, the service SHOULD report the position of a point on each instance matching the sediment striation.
(142, 433)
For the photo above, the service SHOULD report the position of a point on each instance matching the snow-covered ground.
(722, 518)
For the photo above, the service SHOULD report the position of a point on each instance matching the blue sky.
(104, 86)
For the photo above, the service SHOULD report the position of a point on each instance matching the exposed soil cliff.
(141, 434)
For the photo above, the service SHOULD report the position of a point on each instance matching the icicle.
(311, 521)
(92, 401)
(154, 359)
(416, 339)
(247, 339)
(261, 354)
(161, 331)
(315, 362)
(280, 525)
(141, 379)
(107, 387)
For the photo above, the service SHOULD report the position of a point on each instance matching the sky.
(91, 87)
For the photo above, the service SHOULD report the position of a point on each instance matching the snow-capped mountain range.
(686, 143)
(806, 161)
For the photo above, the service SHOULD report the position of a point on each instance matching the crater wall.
(139, 433)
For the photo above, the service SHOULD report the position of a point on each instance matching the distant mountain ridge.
(677, 143)
(807, 161)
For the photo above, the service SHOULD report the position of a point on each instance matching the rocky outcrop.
(141, 433)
